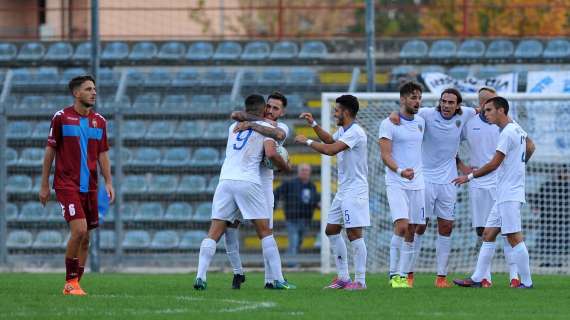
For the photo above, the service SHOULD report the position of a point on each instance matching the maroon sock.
(80, 272)
(71, 268)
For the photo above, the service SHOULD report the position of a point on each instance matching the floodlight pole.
(370, 47)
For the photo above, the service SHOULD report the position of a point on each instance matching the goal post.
(545, 117)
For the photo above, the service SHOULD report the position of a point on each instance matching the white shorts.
(440, 201)
(267, 187)
(406, 204)
(482, 201)
(232, 195)
(507, 216)
(351, 211)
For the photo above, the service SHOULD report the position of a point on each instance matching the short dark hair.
(278, 96)
(350, 103)
(254, 103)
(499, 103)
(78, 81)
(409, 87)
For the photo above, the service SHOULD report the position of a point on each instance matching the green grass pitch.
(148, 296)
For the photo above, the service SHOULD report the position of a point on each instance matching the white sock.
(442, 250)
(395, 246)
(268, 271)
(417, 250)
(341, 256)
(406, 256)
(485, 257)
(359, 250)
(521, 258)
(231, 241)
(207, 251)
(271, 253)
(488, 271)
(508, 251)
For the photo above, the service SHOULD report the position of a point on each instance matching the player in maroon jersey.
(78, 141)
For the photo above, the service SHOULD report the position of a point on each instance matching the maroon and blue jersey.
(78, 141)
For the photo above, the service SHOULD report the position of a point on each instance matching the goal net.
(545, 217)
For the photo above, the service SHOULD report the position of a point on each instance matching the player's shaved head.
(255, 104)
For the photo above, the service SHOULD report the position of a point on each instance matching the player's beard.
(412, 110)
(340, 120)
(86, 104)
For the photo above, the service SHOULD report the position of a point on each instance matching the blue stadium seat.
(109, 215)
(487, 72)
(161, 130)
(200, 51)
(11, 156)
(192, 239)
(471, 49)
(557, 49)
(19, 239)
(528, 49)
(213, 183)
(146, 156)
(174, 157)
(192, 184)
(272, 77)
(135, 77)
(115, 51)
(217, 130)
(226, 104)
(31, 157)
(500, 48)
(128, 211)
(134, 184)
(59, 51)
(203, 212)
(313, 50)
(217, 77)
(186, 77)
(203, 103)
(414, 49)
(138, 239)
(301, 76)
(249, 78)
(150, 211)
(163, 184)
(41, 131)
(126, 154)
(109, 77)
(147, 101)
(31, 51)
(19, 183)
(459, 72)
(124, 103)
(32, 211)
(158, 77)
(228, 50)
(164, 240)
(205, 156)
(178, 211)
(69, 74)
(442, 49)
(433, 68)
(11, 212)
(8, 51)
(48, 239)
(59, 102)
(134, 129)
(284, 50)
(189, 130)
(53, 211)
(174, 102)
(402, 70)
(22, 76)
(257, 50)
(38, 182)
(45, 76)
(171, 51)
(82, 52)
(32, 102)
(295, 102)
(108, 239)
(143, 51)
(19, 129)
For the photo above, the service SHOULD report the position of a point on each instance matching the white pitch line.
(243, 304)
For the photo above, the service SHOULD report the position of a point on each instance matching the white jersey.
(352, 163)
(244, 153)
(511, 172)
(482, 138)
(441, 144)
(406, 150)
(266, 173)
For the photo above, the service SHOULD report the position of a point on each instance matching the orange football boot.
(441, 282)
(72, 288)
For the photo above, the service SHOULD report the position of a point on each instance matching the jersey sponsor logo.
(72, 118)
(458, 123)
(476, 128)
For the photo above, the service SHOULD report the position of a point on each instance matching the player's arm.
(105, 166)
(49, 155)
(463, 168)
(275, 133)
(484, 170)
(329, 149)
(530, 147)
(321, 133)
(271, 153)
(244, 116)
(386, 154)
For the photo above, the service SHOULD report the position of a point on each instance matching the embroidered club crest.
(420, 128)
(94, 123)
(458, 123)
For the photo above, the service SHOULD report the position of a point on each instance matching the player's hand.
(408, 173)
(394, 118)
(301, 139)
(44, 195)
(467, 170)
(307, 116)
(110, 192)
(460, 180)
(242, 126)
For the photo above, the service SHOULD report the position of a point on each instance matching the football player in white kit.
(350, 205)
(240, 189)
(401, 151)
(513, 151)
(482, 136)
(276, 106)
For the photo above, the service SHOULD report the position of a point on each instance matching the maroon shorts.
(79, 205)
